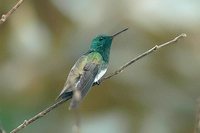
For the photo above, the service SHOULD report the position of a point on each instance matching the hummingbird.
(88, 69)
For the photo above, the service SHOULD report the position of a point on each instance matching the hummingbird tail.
(66, 95)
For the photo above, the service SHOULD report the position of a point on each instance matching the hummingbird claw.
(97, 83)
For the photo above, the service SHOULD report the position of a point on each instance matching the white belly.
(99, 75)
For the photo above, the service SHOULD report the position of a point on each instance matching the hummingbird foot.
(97, 83)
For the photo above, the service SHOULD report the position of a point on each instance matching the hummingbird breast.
(101, 72)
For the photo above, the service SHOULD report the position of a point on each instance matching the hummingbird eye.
(100, 39)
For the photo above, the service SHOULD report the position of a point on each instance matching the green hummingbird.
(88, 69)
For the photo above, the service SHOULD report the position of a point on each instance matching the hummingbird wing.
(72, 79)
(84, 84)
(81, 78)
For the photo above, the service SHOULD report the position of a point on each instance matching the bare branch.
(77, 124)
(47, 110)
(155, 48)
(38, 116)
(4, 17)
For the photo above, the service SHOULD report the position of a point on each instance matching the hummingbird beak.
(119, 32)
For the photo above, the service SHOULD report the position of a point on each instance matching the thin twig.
(77, 124)
(44, 112)
(153, 49)
(38, 116)
(4, 17)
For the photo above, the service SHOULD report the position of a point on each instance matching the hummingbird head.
(102, 44)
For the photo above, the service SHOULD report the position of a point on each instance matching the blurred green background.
(41, 41)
